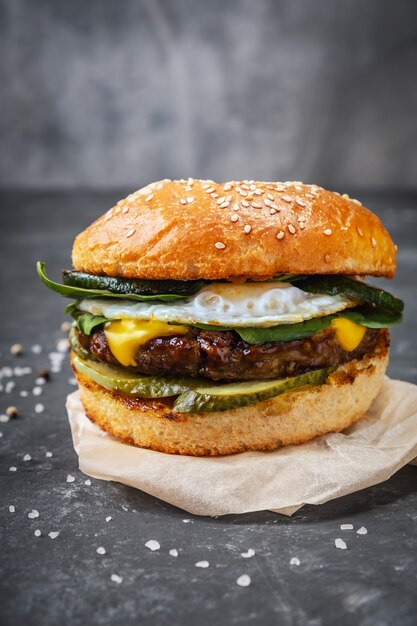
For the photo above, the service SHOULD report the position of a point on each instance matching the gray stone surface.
(63, 581)
(102, 92)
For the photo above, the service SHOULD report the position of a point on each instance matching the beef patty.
(225, 356)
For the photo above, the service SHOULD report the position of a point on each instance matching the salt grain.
(37, 533)
(346, 526)
(244, 580)
(152, 545)
(37, 391)
(36, 349)
(39, 408)
(108, 518)
(339, 543)
(27, 457)
(362, 531)
(4, 418)
(101, 550)
(202, 564)
(33, 514)
(48, 454)
(53, 534)
(173, 552)
(70, 478)
(12, 468)
(248, 554)
(116, 578)
(12, 508)
(87, 482)
(295, 561)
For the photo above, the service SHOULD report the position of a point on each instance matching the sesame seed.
(272, 211)
(327, 257)
(190, 199)
(257, 192)
(206, 186)
(234, 218)
(345, 195)
(125, 209)
(256, 205)
(235, 207)
(214, 195)
(280, 235)
(108, 217)
(270, 196)
(356, 201)
(130, 232)
(286, 198)
(244, 203)
(373, 242)
(221, 200)
(267, 202)
(149, 198)
(210, 189)
(219, 245)
(183, 201)
(300, 202)
(302, 225)
(327, 231)
(224, 205)
(252, 187)
(275, 206)
(291, 229)
(227, 187)
(247, 228)
(360, 232)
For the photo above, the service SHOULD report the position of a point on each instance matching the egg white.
(227, 304)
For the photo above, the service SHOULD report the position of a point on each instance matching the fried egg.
(227, 304)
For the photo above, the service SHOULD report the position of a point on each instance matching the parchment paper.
(282, 481)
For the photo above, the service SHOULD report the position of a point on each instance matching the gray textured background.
(118, 92)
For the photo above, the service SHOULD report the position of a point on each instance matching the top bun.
(190, 229)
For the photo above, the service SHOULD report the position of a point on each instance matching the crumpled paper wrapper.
(282, 481)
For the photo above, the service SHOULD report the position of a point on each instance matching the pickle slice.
(237, 395)
(117, 379)
(129, 286)
(334, 285)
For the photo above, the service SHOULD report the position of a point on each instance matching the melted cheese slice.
(126, 336)
(348, 334)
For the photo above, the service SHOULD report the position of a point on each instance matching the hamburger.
(213, 319)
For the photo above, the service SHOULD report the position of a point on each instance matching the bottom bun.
(291, 418)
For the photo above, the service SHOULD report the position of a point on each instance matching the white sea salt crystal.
(12, 508)
(152, 545)
(37, 391)
(33, 514)
(202, 564)
(4, 418)
(186, 521)
(40, 381)
(295, 561)
(173, 552)
(24, 393)
(346, 526)
(116, 578)
(70, 479)
(27, 457)
(244, 580)
(37, 533)
(13, 468)
(362, 531)
(248, 554)
(53, 534)
(36, 349)
(108, 518)
(39, 408)
(101, 550)
(48, 454)
(339, 543)
(87, 482)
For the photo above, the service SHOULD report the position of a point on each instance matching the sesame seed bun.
(256, 230)
(291, 418)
